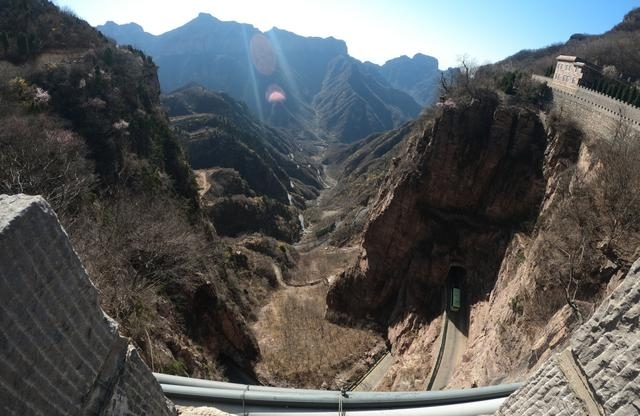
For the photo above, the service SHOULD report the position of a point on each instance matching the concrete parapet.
(59, 353)
(600, 373)
(593, 111)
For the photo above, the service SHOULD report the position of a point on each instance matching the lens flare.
(275, 94)
(262, 55)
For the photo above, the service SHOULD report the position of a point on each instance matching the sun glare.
(275, 94)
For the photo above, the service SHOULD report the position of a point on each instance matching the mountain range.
(309, 85)
(253, 178)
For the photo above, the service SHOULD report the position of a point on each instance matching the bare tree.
(619, 177)
(39, 156)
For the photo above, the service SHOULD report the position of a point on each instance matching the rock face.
(600, 372)
(418, 76)
(465, 183)
(254, 177)
(60, 353)
(355, 102)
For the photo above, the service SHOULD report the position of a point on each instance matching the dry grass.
(300, 348)
(322, 263)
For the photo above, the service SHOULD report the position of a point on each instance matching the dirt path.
(202, 181)
(376, 374)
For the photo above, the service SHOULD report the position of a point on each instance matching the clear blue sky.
(378, 30)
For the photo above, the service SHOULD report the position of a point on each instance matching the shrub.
(39, 156)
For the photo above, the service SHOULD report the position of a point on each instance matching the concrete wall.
(593, 111)
(59, 353)
(599, 374)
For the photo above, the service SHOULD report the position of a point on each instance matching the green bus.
(455, 299)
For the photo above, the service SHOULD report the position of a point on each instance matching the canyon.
(300, 245)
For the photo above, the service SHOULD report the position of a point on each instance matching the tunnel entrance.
(456, 298)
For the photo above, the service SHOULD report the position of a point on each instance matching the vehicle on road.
(454, 305)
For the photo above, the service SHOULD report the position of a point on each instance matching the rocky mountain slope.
(309, 85)
(522, 201)
(254, 178)
(454, 190)
(418, 76)
(81, 123)
(614, 49)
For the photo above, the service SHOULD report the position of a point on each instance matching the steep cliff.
(465, 184)
(418, 76)
(531, 217)
(253, 178)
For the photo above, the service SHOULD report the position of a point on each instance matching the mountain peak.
(630, 22)
(203, 19)
(205, 16)
(130, 27)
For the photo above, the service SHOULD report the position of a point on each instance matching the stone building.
(574, 71)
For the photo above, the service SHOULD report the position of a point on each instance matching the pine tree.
(608, 88)
(622, 91)
(23, 45)
(4, 40)
(633, 95)
(599, 85)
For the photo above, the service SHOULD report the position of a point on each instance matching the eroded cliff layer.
(464, 184)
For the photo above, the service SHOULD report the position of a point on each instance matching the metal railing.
(248, 400)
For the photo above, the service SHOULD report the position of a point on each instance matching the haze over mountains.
(309, 85)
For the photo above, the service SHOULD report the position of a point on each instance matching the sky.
(483, 31)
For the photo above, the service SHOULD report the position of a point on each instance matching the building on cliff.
(575, 71)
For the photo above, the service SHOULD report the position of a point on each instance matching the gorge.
(298, 237)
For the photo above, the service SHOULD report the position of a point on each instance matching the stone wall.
(59, 353)
(593, 111)
(599, 374)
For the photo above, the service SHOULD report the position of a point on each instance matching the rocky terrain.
(320, 91)
(81, 124)
(597, 374)
(298, 244)
(510, 196)
(253, 178)
(418, 76)
(454, 194)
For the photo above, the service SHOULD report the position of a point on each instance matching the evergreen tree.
(633, 95)
(621, 92)
(599, 85)
(611, 89)
(4, 41)
(23, 45)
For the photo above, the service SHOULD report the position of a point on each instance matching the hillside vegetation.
(81, 123)
(255, 178)
(615, 48)
(197, 265)
(541, 213)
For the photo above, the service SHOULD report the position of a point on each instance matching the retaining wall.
(593, 111)
(599, 374)
(59, 353)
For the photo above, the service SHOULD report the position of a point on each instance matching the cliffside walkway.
(594, 111)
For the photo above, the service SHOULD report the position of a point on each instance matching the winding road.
(375, 375)
(453, 337)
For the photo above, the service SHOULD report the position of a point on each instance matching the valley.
(264, 206)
